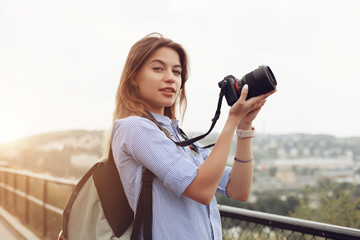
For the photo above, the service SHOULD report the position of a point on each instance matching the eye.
(177, 72)
(158, 69)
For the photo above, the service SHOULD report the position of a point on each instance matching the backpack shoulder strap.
(74, 194)
(143, 215)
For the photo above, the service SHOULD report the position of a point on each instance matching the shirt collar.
(164, 119)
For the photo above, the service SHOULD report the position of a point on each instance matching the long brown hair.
(128, 99)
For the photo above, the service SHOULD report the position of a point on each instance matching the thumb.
(244, 92)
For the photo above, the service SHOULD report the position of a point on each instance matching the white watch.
(245, 133)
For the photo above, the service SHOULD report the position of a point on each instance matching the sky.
(60, 61)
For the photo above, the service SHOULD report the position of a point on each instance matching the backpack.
(98, 207)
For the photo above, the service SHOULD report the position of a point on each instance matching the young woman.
(184, 207)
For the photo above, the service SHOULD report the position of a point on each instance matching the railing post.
(14, 194)
(44, 208)
(41, 204)
(5, 190)
(27, 203)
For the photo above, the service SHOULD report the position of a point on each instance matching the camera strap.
(190, 141)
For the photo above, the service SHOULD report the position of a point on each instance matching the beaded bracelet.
(243, 161)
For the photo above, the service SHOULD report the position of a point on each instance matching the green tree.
(332, 203)
(269, 203)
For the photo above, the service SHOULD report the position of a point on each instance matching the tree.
(331, 203)
(269, 203)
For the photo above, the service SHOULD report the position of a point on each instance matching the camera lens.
(260, 81)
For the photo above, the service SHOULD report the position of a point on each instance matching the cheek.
(143, 90)
(142, 83)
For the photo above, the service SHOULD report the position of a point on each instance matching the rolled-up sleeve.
(224, 181)
(177, 180)
(141, 140)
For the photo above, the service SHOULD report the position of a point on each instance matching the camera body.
(260, 81)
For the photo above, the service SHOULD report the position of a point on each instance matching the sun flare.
(9, 133)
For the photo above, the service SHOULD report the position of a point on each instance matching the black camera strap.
(190, 141)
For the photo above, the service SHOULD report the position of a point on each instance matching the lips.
(168, 90)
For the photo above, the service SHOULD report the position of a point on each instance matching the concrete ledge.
(17, 225)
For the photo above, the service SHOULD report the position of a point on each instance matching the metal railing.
(246, 224)
(38, 200)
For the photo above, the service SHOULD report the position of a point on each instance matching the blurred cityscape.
(295, 174)
(281, 161)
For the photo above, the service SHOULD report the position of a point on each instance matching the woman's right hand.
(243, 107)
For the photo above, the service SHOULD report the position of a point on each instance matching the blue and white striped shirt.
(138, 142)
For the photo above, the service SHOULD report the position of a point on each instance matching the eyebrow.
(163, 63)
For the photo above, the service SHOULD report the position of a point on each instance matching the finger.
(256, 111)
(262, 97)
(244, 92)
(252, 115)
(262, 103)
(259, 105)
(270, 93)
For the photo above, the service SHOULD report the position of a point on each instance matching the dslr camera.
(260, 81)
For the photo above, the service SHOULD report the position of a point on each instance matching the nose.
(170, 77)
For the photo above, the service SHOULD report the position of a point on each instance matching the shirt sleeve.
(147, 145)
(224, 181)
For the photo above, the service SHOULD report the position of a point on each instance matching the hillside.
(61, 153)
(69, 153)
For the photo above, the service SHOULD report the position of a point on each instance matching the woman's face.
(159, 79)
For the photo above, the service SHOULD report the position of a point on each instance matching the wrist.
(245, 126)
(232, 122)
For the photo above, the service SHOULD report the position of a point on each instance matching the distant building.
(318, 163)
